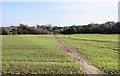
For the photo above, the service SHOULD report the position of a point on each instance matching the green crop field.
(100, 49)
(35, 54)
(41, 54)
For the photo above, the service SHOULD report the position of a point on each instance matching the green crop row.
(100, 49)
(35, 54)
(40, 68)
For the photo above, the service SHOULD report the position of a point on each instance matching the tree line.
(105, 28)
(25, 29)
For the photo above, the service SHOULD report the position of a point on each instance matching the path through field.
(87, 67)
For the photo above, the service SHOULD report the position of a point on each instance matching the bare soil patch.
(86, 65)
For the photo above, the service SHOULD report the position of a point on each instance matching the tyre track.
(86, 66)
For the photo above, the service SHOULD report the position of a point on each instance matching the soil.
(86, 65)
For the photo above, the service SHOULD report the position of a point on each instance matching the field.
(35, 54)
(101, 50)
(41, 54)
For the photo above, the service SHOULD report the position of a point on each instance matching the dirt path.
(87, 67)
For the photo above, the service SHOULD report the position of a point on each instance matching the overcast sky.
(58, 12)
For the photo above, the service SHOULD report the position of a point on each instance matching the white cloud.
(86, 18)
(83, 5)
(93, 14)
(60, 0)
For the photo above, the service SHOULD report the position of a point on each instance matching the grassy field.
(35, 54)
(41, 54)
(100, 49)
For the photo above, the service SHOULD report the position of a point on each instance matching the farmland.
(100, 49)
(35, 54)
(41, 54)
